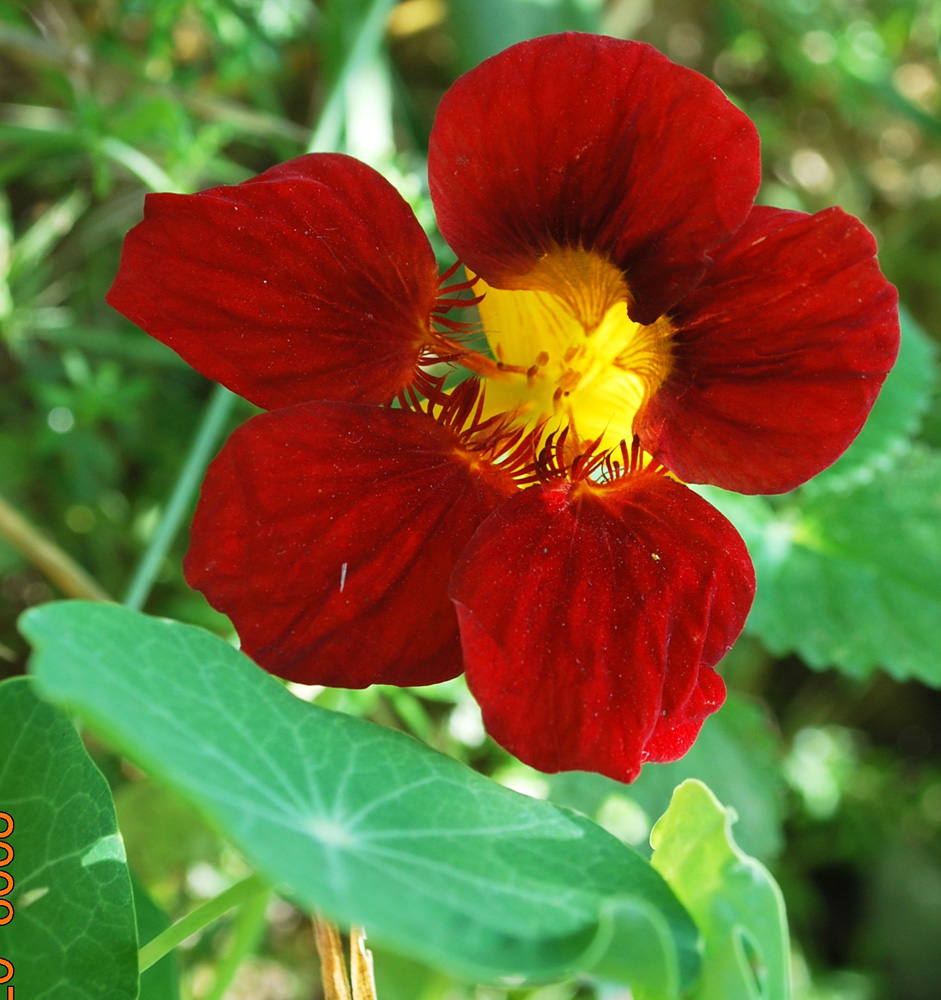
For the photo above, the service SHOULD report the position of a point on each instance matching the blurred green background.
(101, 101)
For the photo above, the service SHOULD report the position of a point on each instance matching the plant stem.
(361, 973)
(215, 417)
(326, 135)
(333, 975)
(47, 557)
(201, 917)
(247, 931)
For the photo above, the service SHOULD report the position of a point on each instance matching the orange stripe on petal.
(590, 616)
(328, 531)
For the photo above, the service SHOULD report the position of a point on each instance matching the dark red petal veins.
(312, 281)
(586, 141)
(591, 616)
(778, 355)
(327, 532)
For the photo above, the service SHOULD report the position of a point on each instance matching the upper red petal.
(779, 354)
(328, 531)
(587, 141)
(591, 617)
(313, 280)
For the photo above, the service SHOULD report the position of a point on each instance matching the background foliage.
(830, 748)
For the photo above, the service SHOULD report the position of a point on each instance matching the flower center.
(567, 350)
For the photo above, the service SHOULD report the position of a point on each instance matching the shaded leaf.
(73, 935)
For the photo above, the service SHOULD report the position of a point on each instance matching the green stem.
(201, 917)
(215, 417)
(326, 134)
(246, 933)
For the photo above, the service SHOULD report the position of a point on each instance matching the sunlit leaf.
(735, 902)
(73, 935)
(361, 822)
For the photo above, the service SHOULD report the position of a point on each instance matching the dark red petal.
(779, 355)
(312, 281)
(675, 734)
(586, 141)
(591, 617)
(328, 531)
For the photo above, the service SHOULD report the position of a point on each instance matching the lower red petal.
(674, 734)
(312, 281)
(328, 531)
(590, 616)
(779, 355)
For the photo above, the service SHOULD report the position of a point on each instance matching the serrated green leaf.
(361, 822)
(73, 935)
(733, 899)
(896, 417)
(851, 579)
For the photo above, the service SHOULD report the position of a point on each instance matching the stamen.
(500, 440)
(446, 335)
(516, 369)
(589, 464)
(448, 294)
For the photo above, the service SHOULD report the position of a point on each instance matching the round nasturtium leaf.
(361, 822)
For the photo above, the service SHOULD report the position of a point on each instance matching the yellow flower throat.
(567, 350)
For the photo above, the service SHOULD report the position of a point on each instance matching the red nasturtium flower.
(648, 326)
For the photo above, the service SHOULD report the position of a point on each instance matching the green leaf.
(735, 902)
(361, 822)
(73, 935)
(896, 417)
(736, 754)
(162, 980)
(400, 978)
(851, 579)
